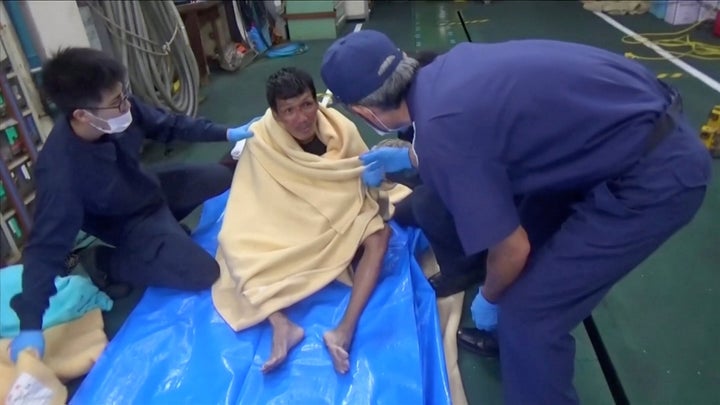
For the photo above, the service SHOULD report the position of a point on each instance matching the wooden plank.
(10, 41)
(310, 16)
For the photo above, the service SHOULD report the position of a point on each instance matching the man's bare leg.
(339, 339)
(286, 335)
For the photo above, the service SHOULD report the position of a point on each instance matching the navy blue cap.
(357, 64)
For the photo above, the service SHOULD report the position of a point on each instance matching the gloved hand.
(484, 313)
(243, 132)
(27, 339)
(373, 174)
(391, 159)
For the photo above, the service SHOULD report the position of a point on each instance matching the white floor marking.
(712, 83)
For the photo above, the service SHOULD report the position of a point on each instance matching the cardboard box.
(682, 12)
(709, 10)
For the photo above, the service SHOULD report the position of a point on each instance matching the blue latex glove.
(392, 160)
(243, 132)
(27, 339)
(484, 313)
(373, 175)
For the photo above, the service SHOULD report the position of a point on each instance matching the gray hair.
(391, 94)
(392, 143)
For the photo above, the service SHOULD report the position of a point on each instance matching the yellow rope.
(680, 39)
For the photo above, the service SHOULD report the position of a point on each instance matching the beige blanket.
(285, 203)
(294, 220)
(71, 350)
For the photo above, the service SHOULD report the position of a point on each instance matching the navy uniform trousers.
(152, 248)
(424, 209)
(581, 246)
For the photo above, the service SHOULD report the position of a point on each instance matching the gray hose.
(150, 39)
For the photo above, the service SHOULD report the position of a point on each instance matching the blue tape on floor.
(174, 348)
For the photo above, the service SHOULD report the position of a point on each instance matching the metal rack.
(20, 142)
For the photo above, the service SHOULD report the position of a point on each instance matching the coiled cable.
(150, 39)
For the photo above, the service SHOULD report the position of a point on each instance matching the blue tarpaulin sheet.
(174, 348)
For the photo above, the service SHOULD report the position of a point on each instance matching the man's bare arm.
(366, 276)
(505, 262)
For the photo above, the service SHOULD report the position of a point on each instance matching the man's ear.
(361, 111)
(81, 116)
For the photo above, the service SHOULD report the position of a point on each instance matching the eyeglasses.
(121, 105)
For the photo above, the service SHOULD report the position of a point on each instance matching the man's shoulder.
(56, 158)
(55, 145)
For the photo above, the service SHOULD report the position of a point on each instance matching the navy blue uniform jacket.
(83, 185)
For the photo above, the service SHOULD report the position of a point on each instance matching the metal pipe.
(13, 195)
(15, 12)
(462, 22)
(606, 365)
(15, 198)
(11, 102)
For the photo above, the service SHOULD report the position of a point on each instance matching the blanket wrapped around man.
(294, 220)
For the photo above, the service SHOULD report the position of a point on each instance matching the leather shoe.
(446, 285)
(99, 276)
(480, 342)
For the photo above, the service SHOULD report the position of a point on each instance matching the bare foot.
(338, 344)
(286, 335)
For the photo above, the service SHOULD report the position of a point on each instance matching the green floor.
(659, 324)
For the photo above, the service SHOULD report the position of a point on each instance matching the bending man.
(569, 181)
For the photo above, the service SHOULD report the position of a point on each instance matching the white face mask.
(387, 131)
(115, 125)
(379, 132)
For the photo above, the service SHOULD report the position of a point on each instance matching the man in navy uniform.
(569, 164)
(89, 177)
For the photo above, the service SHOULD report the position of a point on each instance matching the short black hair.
(286, 83)
(76, 77)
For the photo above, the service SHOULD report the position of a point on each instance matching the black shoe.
(71, 261)
(447, 285)
(92, 260)
(88, 259)
(480, 342)
(117, 291)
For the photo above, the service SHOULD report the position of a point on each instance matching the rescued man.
(89, 177)
(291, 96)
(569, 163)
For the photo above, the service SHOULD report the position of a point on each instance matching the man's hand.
(373, 175)
(484, 313)
(505, 262)
(391, 160)
(243, 132)
(28, 339)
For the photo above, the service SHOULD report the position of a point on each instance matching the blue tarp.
(175, 348)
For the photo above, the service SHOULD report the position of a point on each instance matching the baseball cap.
(359, 63)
